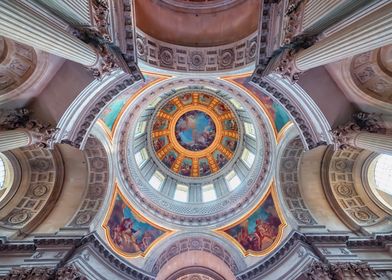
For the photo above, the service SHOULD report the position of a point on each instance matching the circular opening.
(195, 130)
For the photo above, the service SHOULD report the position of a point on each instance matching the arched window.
(2, 173)
(383, 173)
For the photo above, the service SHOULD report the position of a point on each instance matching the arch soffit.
(289, 155)
(346, 192)
(42, 173)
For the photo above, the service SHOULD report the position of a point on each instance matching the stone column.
(351, 135)
(75, 11)
(23, 25)
(370, 32)
(320, 14)
(14, 139)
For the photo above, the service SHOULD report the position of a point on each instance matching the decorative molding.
(194, 244)
(306, 115)
(345, 192)
(289, 185)
(97, 185)
(193, 59)
(145, 198)
(42, 178)
(77, 122)
(17, 64)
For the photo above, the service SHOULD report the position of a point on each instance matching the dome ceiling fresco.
(193, 153)
(195, 134)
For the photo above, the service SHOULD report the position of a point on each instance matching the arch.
(193, 242)
(304, 112)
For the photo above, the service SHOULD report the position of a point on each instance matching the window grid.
(248, 158)
(141, 128)
(208, 193)
(156, 180)
(233, 180)
(141, 157)
(181, 193)
(250, 130)
(383, 173)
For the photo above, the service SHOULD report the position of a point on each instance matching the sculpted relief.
(17, 63)
(371, 72)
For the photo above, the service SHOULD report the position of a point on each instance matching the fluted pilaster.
(75, 11)
(370, 32)
(14, 139)
(23, 25)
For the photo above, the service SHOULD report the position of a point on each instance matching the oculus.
(195, 130)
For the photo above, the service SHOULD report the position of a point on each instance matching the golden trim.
(275, 243)
(284, 130)
(166, 232)
(105, 129)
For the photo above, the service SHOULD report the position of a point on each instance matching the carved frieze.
(98, 169)
(192, 59)
(17, 64)
(288, 176)
(41, 185)
(371, 72)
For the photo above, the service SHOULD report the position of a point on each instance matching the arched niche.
(348, 192)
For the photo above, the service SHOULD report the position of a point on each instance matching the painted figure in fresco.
(204, 168)
(221, 108)
(195, 130)
(206, 99)
(230, 125)
(169, 159)
(231, 144)
(127, 232)
(186, 168)
(160, 124)
(169, 108)
(220, 160)
(186, 98)
(158, 143)
(260, 230)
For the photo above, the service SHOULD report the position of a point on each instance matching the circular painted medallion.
(195, 130)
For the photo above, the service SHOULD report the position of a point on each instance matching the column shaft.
(23, 25)
(370, 32)
(13, 139)
(375, 142)
(320, 14)
(75, 11)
